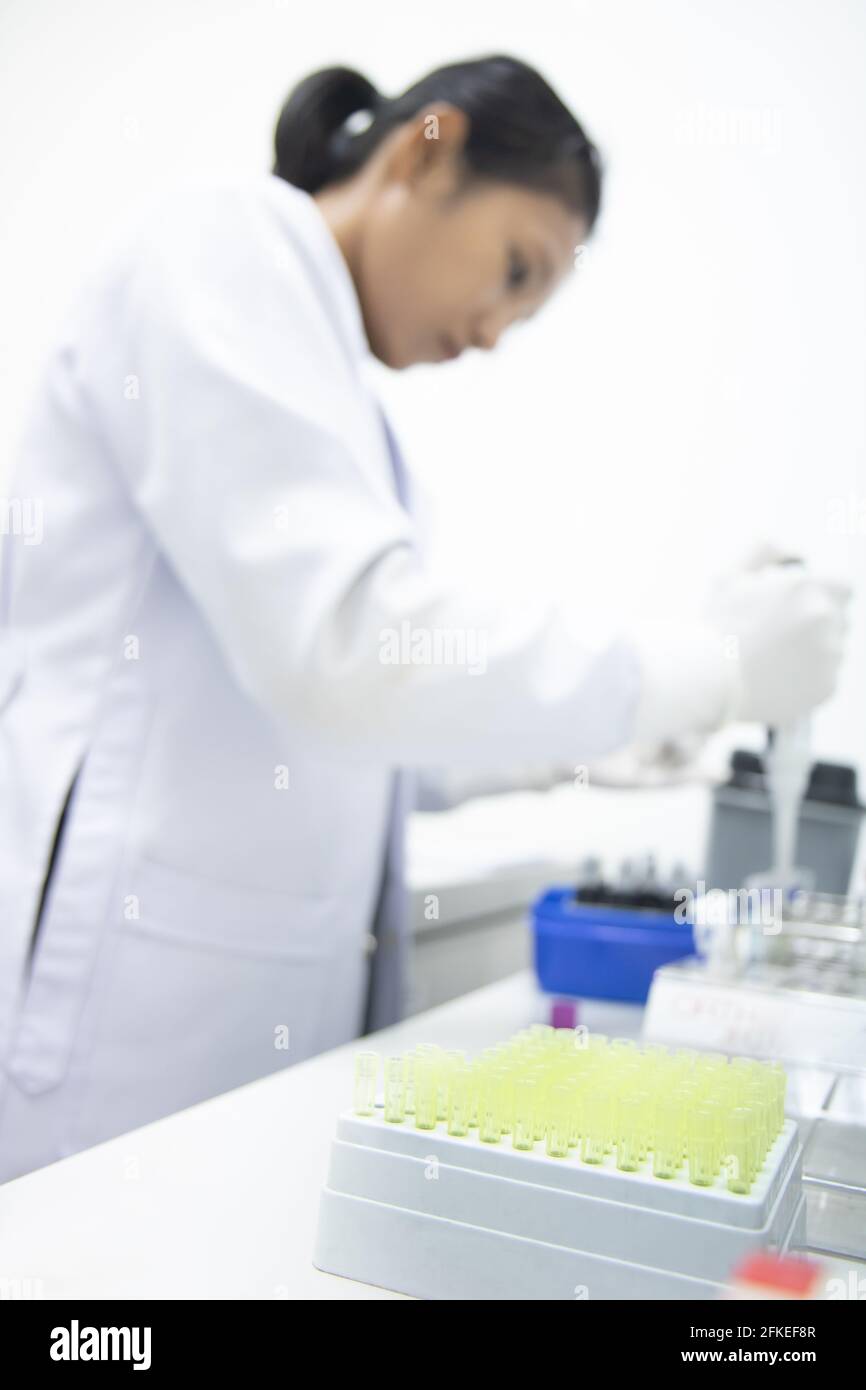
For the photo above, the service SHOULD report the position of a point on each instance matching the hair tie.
(358, 122)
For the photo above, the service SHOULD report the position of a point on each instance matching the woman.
(228, 641)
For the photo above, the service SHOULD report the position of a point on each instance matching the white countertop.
(220, 1201)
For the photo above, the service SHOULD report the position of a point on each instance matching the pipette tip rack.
(559, 1165)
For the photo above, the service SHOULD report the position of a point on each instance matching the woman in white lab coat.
(227, 646)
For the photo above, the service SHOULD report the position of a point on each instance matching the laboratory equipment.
(562, 1165)
(788, 762)
(606, 943)
(740, 841)
(806, 1003)
(807, 1006)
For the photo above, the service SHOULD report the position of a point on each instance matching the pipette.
(787, 761)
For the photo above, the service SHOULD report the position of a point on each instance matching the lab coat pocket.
(168, 903)
(204, 987)
(214, 950)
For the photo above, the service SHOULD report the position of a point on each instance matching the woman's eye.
(518, 270)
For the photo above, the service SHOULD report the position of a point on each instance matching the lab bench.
(479, 933)
(220, 1201)
(475, 870)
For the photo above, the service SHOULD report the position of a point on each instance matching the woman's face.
(443, 263)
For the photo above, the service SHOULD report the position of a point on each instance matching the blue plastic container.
(592, 951)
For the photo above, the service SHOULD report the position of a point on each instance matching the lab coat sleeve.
(441, 789)
(240, 456)
(672, 762)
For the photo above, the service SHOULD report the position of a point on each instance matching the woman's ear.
(430, 144)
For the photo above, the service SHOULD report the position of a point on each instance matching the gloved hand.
(787, 633)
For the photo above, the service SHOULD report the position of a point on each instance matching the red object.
(788, 1273)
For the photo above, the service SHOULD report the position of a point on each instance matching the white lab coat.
(195, 649)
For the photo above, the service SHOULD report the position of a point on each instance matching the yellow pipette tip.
(683, 1115)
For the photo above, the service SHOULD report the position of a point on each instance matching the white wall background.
(701, 385)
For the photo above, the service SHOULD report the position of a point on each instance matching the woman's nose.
(490, 328)
(488, 331)
(487, 335)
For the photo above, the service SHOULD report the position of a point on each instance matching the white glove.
(786, 631)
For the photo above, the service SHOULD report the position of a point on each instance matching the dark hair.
(519, 130)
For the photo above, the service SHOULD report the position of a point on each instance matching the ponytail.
(310, 121)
